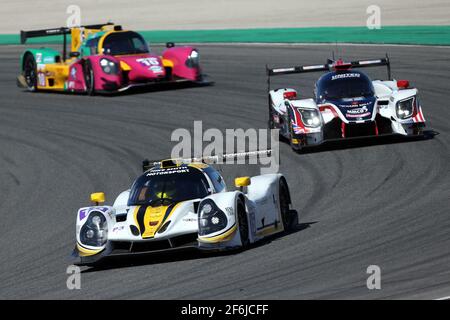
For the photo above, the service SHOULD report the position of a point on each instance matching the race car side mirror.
(170, 45)
(242, 182)
(97, 198)
(74, 54)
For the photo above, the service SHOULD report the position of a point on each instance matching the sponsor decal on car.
(41, 79)
(156, 69)
(73, 73)
(158, 172)
(117, 229)
(49, 60)
(148, 62)
(229, 211)
(358, 115)
(358, 111)
(83, 214)
(345, 75)
(355, 104)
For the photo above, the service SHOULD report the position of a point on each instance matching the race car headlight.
(310, 117)
(405, 108)
(108, 66)
(95, 231)
(193, 60)
(211, 218)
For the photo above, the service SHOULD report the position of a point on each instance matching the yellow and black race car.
(183, 204)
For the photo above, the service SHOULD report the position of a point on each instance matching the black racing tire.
(289, 217)
(89, 78)
(243, 223)
(30, 72)
(270, 122)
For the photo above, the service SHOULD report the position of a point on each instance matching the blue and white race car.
(346, 104)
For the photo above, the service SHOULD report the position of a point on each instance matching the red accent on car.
(376, 128)
(403, 84)
(341, 65)
(343, 129)
(329, 107)
(290, 95)
(298, 119)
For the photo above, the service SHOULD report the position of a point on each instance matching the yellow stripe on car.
(102, 39)
(226, 236)
(198, 165)
(153, 217)
(270, 230)
(136, 210)
(83, 252)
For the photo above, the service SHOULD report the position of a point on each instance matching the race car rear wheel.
(30, 72)
(89, 78)
(289, 217)
(242, 223)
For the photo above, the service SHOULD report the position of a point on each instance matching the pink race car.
(104, 59)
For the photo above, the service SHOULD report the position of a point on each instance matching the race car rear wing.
(329, 67)
(148, 164)
(64, 31)
(24, 35)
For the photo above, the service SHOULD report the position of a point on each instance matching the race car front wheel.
(30, 72)
(89, 78)
(289, 217)
(242, 223)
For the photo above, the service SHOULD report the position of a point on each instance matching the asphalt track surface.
(382, 203)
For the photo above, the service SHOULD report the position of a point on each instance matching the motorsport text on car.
(104, 59)
(346, 104)
(179, 204)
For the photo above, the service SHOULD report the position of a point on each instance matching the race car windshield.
(119, 43)
(341, 86)
(167, 186)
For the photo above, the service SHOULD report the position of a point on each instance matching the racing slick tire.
(289, 217)
(270, 122)
(89, 78)
(30, 72)
(242, 224)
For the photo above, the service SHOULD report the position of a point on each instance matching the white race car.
(183, 204)
(346, 104)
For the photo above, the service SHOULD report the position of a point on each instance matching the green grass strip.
(418, 35)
